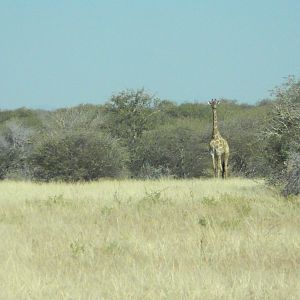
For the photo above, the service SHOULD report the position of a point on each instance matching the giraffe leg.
(214, 164)
(223, 169)
(225, 165)
(219, 166)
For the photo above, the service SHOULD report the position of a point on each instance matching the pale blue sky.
(61, 53)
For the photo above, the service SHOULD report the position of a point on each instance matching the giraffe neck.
(215, 124)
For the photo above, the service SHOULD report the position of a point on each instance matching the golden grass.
(168, 239)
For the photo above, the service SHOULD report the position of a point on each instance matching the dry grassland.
(168, 239)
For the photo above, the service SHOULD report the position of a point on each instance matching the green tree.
(130, 114)
(283, 133)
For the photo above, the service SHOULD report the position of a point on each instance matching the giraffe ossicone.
(218, 146)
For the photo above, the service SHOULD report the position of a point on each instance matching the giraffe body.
(218, 146)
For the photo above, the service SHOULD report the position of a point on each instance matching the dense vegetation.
(135, 134)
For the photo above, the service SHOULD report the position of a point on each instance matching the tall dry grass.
(168, 239)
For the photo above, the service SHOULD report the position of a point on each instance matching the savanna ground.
(168, 239)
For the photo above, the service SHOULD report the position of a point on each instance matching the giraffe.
(218, 146)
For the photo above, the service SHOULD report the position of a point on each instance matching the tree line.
(135, 134)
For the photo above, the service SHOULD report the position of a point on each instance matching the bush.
(77, 156)
(246, 148)
(150, 172)
(292, 185)
(171, 151)
(15, 145)
(283, 135)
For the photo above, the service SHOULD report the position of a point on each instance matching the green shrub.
(171, 151)
(77, 156)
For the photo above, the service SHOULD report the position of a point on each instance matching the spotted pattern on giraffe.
(219, 148)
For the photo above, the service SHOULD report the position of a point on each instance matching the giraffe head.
(213, 103)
